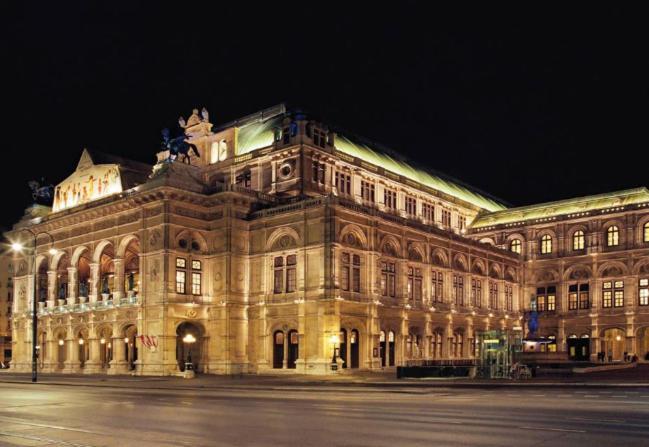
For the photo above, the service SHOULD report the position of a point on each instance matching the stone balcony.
(50, 308)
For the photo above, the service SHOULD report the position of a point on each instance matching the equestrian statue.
(178, 146)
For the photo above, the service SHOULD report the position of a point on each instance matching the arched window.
(612, 236)
(646, 232)
(546, 244)
(578, 240)
(516, 246)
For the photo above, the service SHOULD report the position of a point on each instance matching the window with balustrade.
(411, 206)
(428, 212)
(390, 199)
(367, 191)
(343, 183)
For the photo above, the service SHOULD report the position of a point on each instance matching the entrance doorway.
(293, 349)
(354, 344)
(189, 349)
(613, 344)
(578, 348)
(343, 347)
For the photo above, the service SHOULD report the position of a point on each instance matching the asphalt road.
(58, 415)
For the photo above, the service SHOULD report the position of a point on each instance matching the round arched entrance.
(189, 346)
(613, 343)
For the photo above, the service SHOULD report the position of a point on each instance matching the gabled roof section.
(98, 175)
(563, 207)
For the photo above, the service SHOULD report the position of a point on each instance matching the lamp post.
(189, 340)
(18, 247)
(335, 339)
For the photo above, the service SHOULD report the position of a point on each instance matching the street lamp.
(335, 339)
(189, 339)
(18, 248)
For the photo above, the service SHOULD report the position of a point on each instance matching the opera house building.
(278, 243)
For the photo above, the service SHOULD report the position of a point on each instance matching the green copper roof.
(257, 135)
(405, 169)
(257, 131)
(562, 207)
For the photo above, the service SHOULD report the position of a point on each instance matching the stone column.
(51, 285)
(71, 364)
(93, 365)
(118, 286)
(94, 286)
(73, 284)
(118, 364)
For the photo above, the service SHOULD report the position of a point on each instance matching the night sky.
(529, 105)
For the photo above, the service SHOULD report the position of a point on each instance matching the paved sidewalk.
(635, 377)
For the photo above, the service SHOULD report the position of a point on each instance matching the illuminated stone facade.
(6, 303)
(285, 240)
(585, 266)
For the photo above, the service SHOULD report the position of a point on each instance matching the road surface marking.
(47, 440)
(553, 429)
(598, 420)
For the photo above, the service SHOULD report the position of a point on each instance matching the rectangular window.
(437, 287)
(414, 284)
(461, 222)
(458, 290)
(546, 299)
(613, 294)
(181, 277)
(318, 174)
(196, 283)
(411, 206)
(509, 297)
(344, 279)
(291, 274)
(643, 292)
(367, 191)
(278, 277)
(196, 265)
(573, 297)
(446, 218)
(607, 294)
(476, 293)
(390, 199)
(343, 183)
(244, 179)
(356, 273)
(428, 212)
(388, 271)
(493, 295)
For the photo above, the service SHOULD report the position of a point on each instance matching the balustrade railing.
(85, 306)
